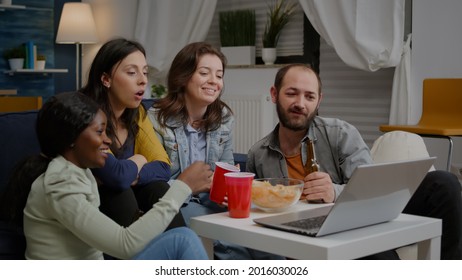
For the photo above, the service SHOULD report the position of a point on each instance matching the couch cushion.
(240, 159)
(17, 141)
(147, 103)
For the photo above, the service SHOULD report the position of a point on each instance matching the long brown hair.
(108, 57)
(173, 105)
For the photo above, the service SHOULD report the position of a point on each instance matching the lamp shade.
(76, 25)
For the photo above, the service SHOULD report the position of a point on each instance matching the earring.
(72, 146)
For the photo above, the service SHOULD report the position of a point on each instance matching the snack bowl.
(276, 194)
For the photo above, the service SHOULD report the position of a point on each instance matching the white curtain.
(400, 108)
(164, 27)
(368, 35)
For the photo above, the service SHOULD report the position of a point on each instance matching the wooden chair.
(441, 112)
(20, 103)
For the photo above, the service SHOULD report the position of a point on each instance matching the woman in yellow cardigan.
(137, 172)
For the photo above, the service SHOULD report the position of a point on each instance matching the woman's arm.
(154, 171)
(117, 174)
(147, 144)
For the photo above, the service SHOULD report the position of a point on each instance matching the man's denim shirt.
(338, 146)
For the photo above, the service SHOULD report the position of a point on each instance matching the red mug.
(218, 189)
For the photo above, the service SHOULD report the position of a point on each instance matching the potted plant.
(41, 60)
(6, 2)
(278, 15)
(237, 36)
(15, 57)
(158, 91)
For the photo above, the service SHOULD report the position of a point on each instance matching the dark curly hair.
(59, 123)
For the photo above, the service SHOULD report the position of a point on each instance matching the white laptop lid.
(375, 193)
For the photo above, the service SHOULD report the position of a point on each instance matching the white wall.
(113, 18)
(255, 81)
(436, 53)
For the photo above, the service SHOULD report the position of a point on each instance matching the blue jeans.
(175, 244)
(199, 206)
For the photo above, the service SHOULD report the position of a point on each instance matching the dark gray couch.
(17, 141)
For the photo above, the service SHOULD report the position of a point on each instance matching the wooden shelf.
(8, 92)
(11, 7)
(35, 71)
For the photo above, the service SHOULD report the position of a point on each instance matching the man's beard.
(285, 120)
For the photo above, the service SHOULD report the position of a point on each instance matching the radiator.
(254, 118)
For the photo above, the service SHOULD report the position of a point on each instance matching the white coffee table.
(352, 244)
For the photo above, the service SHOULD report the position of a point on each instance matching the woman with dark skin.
(61, 215)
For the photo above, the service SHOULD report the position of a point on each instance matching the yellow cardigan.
(146, 141)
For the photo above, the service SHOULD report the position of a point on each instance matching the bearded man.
(340, 149)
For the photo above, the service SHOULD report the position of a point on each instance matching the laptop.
(375, 193)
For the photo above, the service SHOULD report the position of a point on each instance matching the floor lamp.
(77, 26)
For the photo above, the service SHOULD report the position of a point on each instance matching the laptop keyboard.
(310, 226)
